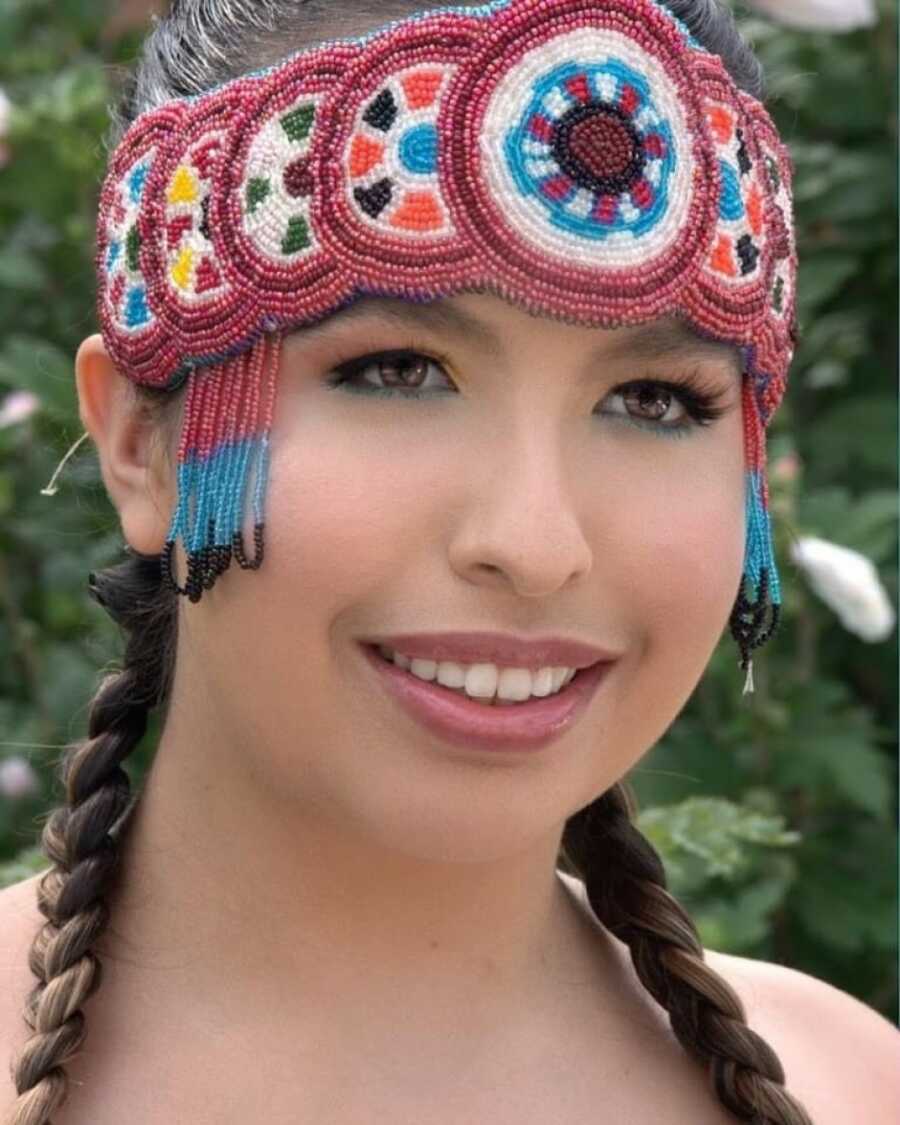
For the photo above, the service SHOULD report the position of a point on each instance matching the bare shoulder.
(20, 920)
(841, 1058)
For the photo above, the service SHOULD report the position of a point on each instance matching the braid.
(625, 883)
(80, 837)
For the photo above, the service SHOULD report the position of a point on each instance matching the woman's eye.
(664, 407)
(397, 371)
(649, 402)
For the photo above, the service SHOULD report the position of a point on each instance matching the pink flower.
(786, 468)
(5, 111)
(17, 406)
(17, 778)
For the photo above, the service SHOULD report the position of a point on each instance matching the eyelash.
(700, 400)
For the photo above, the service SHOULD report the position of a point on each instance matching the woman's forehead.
(487, 321)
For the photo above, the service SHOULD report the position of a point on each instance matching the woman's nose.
(524, 525)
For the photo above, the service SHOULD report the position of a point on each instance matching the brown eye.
(652, 403)
(403, 373)
(407, 370)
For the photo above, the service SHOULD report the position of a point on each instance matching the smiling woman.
(413, 309)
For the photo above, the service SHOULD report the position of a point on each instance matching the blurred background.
(776, 813)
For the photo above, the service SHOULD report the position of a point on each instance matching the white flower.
(17, 778)
(824, 15)
(848, 583)
(16, 407)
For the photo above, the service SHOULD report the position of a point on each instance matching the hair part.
(200, 45)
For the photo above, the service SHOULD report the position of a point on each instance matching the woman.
(341, 876)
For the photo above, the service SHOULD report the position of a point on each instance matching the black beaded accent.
(374, 199)
(382, 112)
(194, 584)
(204, 566)
(204, 225)
(774, 173)
(778, 296)
(748, 252)
(744, 161)
(168, 571)
(237, 545)
(749, 619)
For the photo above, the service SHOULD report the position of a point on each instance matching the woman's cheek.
(674, 563)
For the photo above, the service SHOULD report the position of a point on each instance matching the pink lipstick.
(530, 725)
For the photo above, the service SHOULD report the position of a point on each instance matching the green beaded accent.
(297, 237)
(298, 122)
(257, 190)
(133, 245)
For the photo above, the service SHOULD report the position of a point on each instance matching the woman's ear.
(137, 476)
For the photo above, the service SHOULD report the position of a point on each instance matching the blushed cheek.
(347, 530)
(685, 559)
(349, 520)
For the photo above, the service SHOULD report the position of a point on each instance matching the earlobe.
(112, 415)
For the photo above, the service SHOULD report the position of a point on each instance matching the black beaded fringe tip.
(205, 566)
(754, 621)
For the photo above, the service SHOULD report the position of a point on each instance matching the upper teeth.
(485, 681)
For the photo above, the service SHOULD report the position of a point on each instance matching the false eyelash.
(702, 399)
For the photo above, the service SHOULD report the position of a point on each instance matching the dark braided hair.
(201, 44)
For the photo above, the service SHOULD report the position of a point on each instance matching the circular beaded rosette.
(732, 285)
(776, 338)
(588, 177)
(383, 204)
(587, 161)
(126, 309)
(270, 179)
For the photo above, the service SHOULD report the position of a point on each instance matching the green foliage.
(814, 748)
(775, 814)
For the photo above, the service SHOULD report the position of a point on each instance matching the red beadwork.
(228, 246)
(602, 144)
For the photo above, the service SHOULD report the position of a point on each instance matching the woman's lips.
(455, 718)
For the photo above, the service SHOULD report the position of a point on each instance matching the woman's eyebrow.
(437, 315)
(660, 339)
(668, 339)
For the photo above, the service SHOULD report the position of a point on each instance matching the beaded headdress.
(588, 160)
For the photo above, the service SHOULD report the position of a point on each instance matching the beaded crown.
(588, 160)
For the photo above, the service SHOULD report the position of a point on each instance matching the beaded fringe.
(757, 611)
(224, 442)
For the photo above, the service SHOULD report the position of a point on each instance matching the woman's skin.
(304, 856)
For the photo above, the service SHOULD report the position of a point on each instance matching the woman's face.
(529, 490)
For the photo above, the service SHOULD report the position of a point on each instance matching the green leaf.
(740, 921)
(859, 432)
(823, 278)
(20, 271)
(714, 832)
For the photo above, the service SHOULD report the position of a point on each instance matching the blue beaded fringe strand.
(209, 515)
(757, 611)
